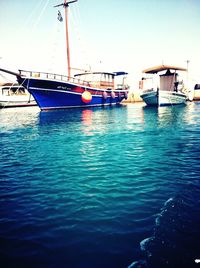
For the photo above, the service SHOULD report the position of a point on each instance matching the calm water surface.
(116, 187)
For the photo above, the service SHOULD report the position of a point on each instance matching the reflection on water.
(168, 116)
(137, 115)
(87, 117)
(190, 115)
(14, 118)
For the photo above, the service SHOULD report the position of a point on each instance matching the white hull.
(11, 97)
(16, 102)
(163, 98)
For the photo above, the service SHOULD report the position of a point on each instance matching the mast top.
(66, 3)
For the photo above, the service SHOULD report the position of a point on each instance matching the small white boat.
(14, 95)
(165, 88)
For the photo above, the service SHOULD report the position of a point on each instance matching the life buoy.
(86, 97)
(104, 95)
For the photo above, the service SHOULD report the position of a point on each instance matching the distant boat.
(167, 90)
(54, 91)
(14, 95)
(197, 92)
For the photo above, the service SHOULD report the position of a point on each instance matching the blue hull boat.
(61, 92)
(54, 91)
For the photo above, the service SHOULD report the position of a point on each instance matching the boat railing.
(122, 87)
(54, 76)
(149, 90)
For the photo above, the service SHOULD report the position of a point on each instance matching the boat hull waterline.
(163, 98)
(16, 103)
(54, 94)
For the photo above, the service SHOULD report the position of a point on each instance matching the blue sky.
(111, 35)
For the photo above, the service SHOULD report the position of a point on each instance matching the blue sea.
(114, 187)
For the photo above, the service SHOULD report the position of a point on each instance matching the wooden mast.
(67, 39)
(66, 5)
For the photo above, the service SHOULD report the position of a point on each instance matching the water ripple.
(88, 188)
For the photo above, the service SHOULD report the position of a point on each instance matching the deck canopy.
(156, 69)
(120, 73)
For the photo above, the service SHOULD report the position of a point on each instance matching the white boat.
(14, 95)
(164, 87)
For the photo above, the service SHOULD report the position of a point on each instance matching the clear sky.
(111, 35)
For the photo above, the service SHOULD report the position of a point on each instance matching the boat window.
(13, 90)
(22, 90)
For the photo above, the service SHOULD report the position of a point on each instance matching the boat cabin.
(98, 79)
(101, 80)
(167, 80)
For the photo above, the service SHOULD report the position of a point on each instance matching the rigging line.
(56, 32)
(35, 24)
(29, 18)
(40, 15)
(77, 13)
(3, 107)
(76, 21)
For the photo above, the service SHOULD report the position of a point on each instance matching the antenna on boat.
(66, 5)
